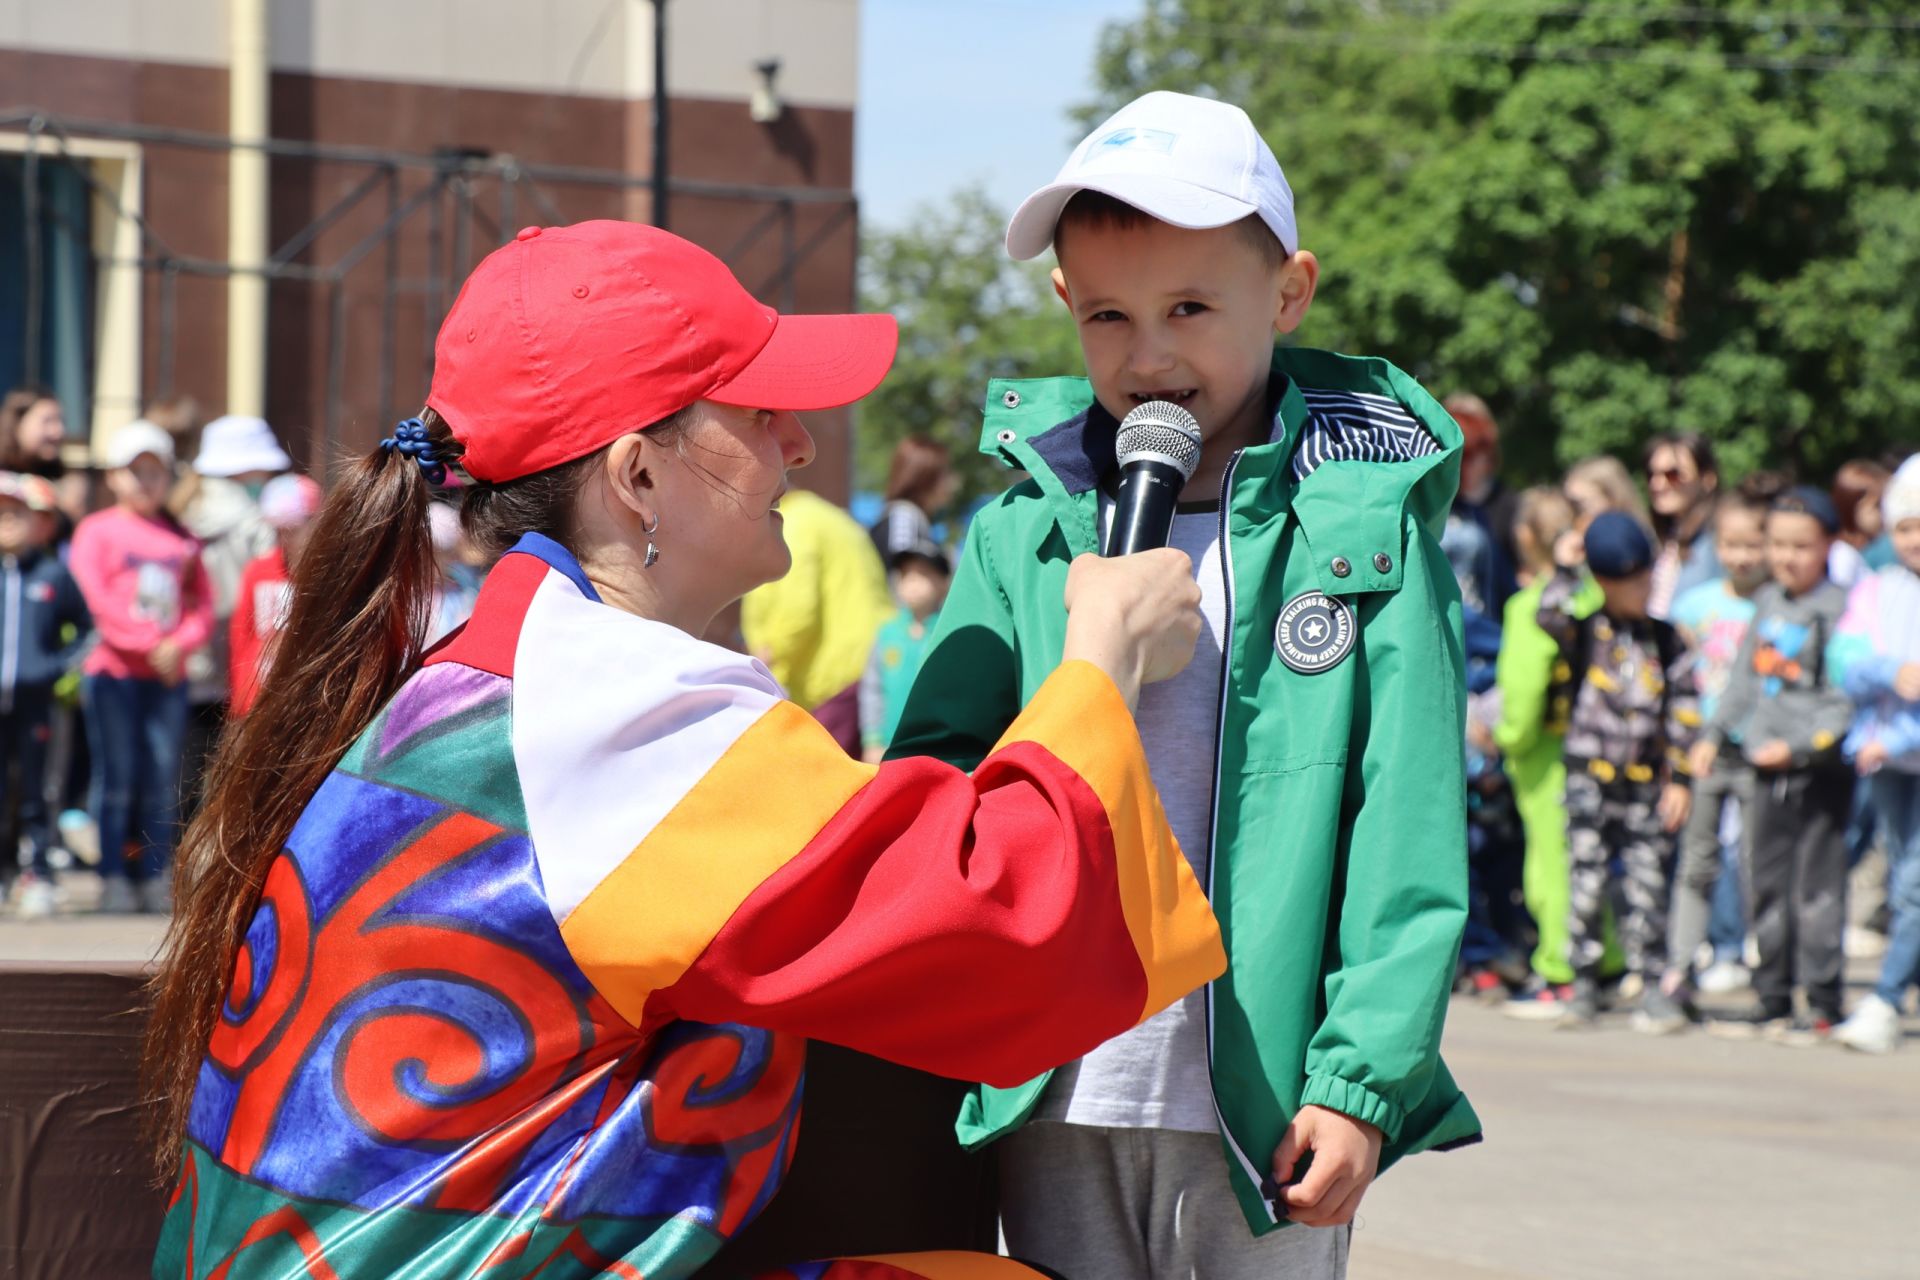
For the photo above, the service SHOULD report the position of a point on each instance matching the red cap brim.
(815, 362)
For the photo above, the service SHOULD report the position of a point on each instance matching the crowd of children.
(1703, 732)
(130, 633)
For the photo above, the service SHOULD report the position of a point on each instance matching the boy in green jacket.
(1311, 760)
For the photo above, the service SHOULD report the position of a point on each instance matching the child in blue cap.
(1631, 715)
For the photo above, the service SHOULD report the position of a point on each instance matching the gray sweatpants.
(1143, 1204)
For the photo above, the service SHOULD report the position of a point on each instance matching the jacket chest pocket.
(1292, 718)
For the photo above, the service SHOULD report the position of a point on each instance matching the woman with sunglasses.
(1683, 484)
(501, 961)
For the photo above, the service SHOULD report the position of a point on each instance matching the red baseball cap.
(567, 338)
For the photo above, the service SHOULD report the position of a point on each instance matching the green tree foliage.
(1607, 219)
(967, 313)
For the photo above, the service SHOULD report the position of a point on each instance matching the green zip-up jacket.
(1339, 810)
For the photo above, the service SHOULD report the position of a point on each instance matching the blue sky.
(954, 91)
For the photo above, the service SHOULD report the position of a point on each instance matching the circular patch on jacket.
(1315, 631)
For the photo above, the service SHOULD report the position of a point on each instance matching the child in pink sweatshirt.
(152, 606)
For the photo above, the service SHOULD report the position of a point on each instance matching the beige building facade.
(384, 147)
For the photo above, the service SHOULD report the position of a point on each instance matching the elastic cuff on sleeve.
(1355, 1100)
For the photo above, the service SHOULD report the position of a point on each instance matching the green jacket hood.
(1329, 410)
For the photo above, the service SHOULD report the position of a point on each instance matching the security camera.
(765, 106)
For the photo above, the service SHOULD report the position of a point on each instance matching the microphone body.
(1158, 447)
(1143, 508)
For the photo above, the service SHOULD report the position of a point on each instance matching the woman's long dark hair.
(919, 464)
(13, 409)
(1699, 451)
(354, 634)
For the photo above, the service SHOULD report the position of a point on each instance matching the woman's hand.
(1135, 617)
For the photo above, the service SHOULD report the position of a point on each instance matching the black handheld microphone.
(1158, 446)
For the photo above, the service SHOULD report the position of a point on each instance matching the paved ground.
(1609, 1154)
(1612, 1154)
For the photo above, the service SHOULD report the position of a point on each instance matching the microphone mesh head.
(1161, 431)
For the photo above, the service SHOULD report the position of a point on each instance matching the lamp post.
(659, 176)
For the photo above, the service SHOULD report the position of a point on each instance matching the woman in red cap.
(500, 960)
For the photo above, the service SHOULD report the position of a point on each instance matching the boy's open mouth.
(1177, 397)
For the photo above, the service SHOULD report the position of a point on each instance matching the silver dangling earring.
(653, 552)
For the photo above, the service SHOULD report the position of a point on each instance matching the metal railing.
(465, 196)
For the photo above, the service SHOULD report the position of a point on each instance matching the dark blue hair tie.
(410, 438)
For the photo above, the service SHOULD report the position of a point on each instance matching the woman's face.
(41, 431)
(1674, 484)
(717, 486)
(1867, 516)
(1587, 501)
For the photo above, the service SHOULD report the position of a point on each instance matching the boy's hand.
(1871, 758)
(1700, 759)
(1346, 1158)
(1676, 801)
(1906, 681)
(1772, 755)
(1570, 549)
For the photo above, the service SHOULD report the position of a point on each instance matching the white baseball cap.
(134, 439)
(1192, 162)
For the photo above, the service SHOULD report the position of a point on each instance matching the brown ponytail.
(360, 599)
(361, 596)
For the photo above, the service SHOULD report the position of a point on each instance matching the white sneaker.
(1723, 977)
(38, 899)
(1874, 1027)
(1864, 944)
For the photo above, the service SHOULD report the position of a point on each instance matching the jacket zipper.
(10, 643)
(1247, 1166)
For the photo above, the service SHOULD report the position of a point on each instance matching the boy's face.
(1906, 543)
(141, 484)
(16, 526)
(1165, 313)
(920, 586)
(1797, 547)
(1740, 540)
(1627, 597)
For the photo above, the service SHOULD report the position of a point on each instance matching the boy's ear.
(1060, 286)
(1299, 275)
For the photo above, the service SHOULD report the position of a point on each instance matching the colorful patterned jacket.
(529, 990)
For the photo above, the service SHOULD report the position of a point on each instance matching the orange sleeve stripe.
(643, 926)
(1079, 716)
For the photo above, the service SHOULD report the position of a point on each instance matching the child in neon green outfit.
(1529, 735)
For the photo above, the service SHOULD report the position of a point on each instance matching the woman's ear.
(629, 475)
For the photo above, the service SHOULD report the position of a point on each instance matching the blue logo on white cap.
(1137, 140)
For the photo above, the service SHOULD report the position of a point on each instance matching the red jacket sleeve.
(986, 927)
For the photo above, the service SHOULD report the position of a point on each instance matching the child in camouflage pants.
(1632, 715)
